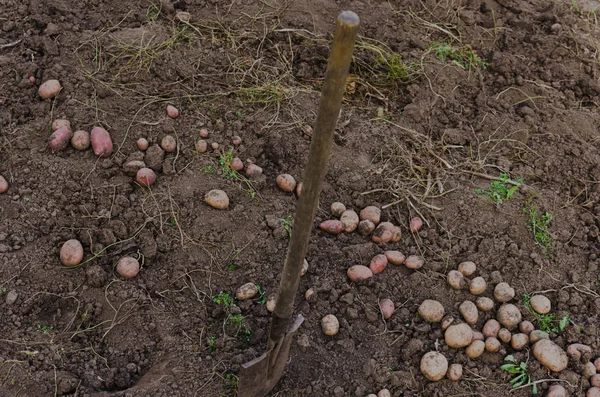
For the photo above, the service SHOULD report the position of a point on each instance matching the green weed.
(229, 173)
(223, 298)
(500, 191)
(465, 57)
(263, 298)
(4, 290)
(209, 169)
(44, 329)
(153, 11)
(519, 370)
(546, 322)
(538, 225)
(212, 341)
(287, 224)
(231, 380)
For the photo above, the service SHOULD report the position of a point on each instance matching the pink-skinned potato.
(101, 142)
(71, 253)
(378, 263)
(59, 123)
(359, 273)
(60, 139)
(387, 308)
(49, 89)
(145, 177)
(332, 226)
(3, 184)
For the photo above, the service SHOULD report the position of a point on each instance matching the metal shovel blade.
(259, 376)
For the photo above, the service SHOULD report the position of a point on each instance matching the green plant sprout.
(229, 173)
(209, 169)
(546, 322)
(287, 224)
(538, 225)
(465, 57)
(212, 344)
(263, 298)
(500, 191)
(44, 329)
(223, 298)
(519, 370)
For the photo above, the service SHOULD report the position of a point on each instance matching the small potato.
(431, 311)
(467, 268)
(359, 273)
(491, 328)
(253, 170)
(447, 321)
(237, 164)
(588, 370)
(396, 234)
(537, 335)
(142, 144)
(133, 166)
(172, 111)
(71, 253)
(576, 350)
(60, 123)
(286, 182)
(299, 189)
(540, 304)
(477, 286)
(332, 226)
(503, 292)
(201, 146)
(475, 349)
(337, 209)
(378, 263)
(394, 257)
(236, 141)
(168, 143)
(469, 312)
(304, 267)
(60, 139)
(330, 325)
(217, 199)
(484, 304)
(597, 364)
(492, 345)
(509, 315)
(371, 213)
(387, 308)
(101, 142)
(3, 185)
(458, 335)
(415, 224)
(557, 391)
(145, 177)
(526, 327)
(383, 233)
(246, 291)
(204, 133)
(455, 372)
(478, 336)
(414, 262)
(595, 380)
(504, 335)
(519, 341)
(310, 294)
(80, 140)
(456, 279)
(128, 267)
(49, 89)
(384, 393)
(365, 227)
(434, 366)
(593, 392)
(271, 302)
(214, 145)
(349, 220)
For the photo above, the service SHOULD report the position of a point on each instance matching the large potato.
(358, 273)
(469, 312)
(503, 292)
(378, 263)
(128, 267)
(550, 355)
(349, 221)
(286, 182)
(101, 142)
(71, 253)
(509, 315)
(60, 139)
(49, 89)
(332, 226)
(431, 311)
(217, 199)
(371, 213)
(434, 366)
(458, 335)
(330, 325)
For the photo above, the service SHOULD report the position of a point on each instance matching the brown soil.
(254, 69)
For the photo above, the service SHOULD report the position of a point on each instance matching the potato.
(456, 279)
(455, 372)
(128, 267)
(330, 325)
(71, 253)
(503, 292)
(396, 234)
(526, 327)
(491, 328)
(588, 370)
(49, 89)
(60, 139)
(201, 146)
(145, 177)
(236, 141)
(133, 166)
(484, 304)
(378, 263)
(477, 286)
(475, 349)
(550, 355)
(310, 294)
(142, 144)
(304, 267)
(101, 142)
(271, 302)
(577, 350)
(246, 291)
(434, 366)
(415, 224)
(299, 189)
(557, 391)
(237, 164)
(358, 273)
(172, 111)
(492, 345)
(595, 380)
(469, 312)
(597, 364)
(458, 335)
(80, 140)
(537, 335)
(349, 221)
(286, 182)
(540, 304)
(504, 335)
(365, 227)
(217, 199)
(3, 185)
(308, 130)
(384, 393)
(204, 133)
(509, 315)
(519, 341)
(60, 123)
(387, 308)
(337, 209)
(383, 233)
(593, 392)
(467, 268)
(447, 321)
(394, 257)
(431, 311)
(214, 145)
(253, 170)
(478, 336)
(332, 226)
(371, 213)
(168, 143)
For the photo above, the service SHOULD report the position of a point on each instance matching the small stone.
(246, 291)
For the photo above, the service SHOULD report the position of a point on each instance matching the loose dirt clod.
(330, 325)
(434, 366)
(550, 355)
(246, 291)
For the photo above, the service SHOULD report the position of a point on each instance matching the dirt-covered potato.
(332, 226)
(526, 327)
(456, 279)
(253, 170)
(172, 111)
(384, 393)
(477, 286)
(467, 268)
(80, 140)
(394, 257)
(458, 335)
(201, 146)
(415, 224)
(371, 213)
(455, 372)
(236, 140)
(469, 312)
(577, 350)
(475, 349)
(447, 321)
(359, 272)
(378, 263)
(142, 144)
(145, 177)
(60, 123)
(557, 391)
(509, 315)
(246, 291)
(537, 335)
(168, 143)
(491, 328)
(128, 267)
(60, 139)
(431, 311)
(330, 325)
(383, 233)
(540, 304)
(504, 335)
(203, 133)
(349, 221)
(217, 199)
(503, 292)
(593, 392)
(3, 185)
(286, 182)
(589, 370)
(484, 304)
(492, 345)
(237, 164)
(365, 227)
(550, 355)
(519, 341)
(434, 366)
(71, 253)
(271, 302)
(387, 308)
(101, 142)
(49, 89)
(414, 262)
(337, 209)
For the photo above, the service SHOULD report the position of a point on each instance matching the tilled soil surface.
(418, 130)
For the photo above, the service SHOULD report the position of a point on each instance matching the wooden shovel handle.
(314, 173)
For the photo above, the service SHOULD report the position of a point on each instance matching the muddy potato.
(394, 257)
(396, 234)
(80, 140)
(595, 380)
(537, 335)
(434, 366)
(172, 111)
(455, 372)
(477, 286)
(330, 325)
(101, 142)
(504, 335)
(456, 279)
(128, 267)
(526, 327)
(236, 141)
(237, 164)
(589, 370)
(71, 253)
(332, 226)
(458, 335)
(593, 392)
(383, 233)
(475, 349)
(217, 199)
(203, 133)
(145, 177)
(484, 304)
(550, 355)
(491, 328)
(384, 393)
(415, 224)
(557, 391)
(519, 341)
(540, 304)
(60, 139)
(286, 182)
(378, 263)
(503, 292)
(304, 268)
(3, 185)
(371, 213)
(478, 336)
(576, 350)
(365, 227)
(142, 144)
(467, 268)
(271, 301)
(337, 209)
(349, 221)
(359, 272)
(214, 145)
(49, 89)
(201, 146)
(387, 308)
(446, 322)
(431, 311)
(246, 291)
(509, 315)
(60, 123)
(492, 345)
(469, 312)
(168, 143)
(310, 294)
(299, 189)
(253, 170)
(414, 262)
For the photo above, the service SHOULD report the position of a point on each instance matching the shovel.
(258, 377)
